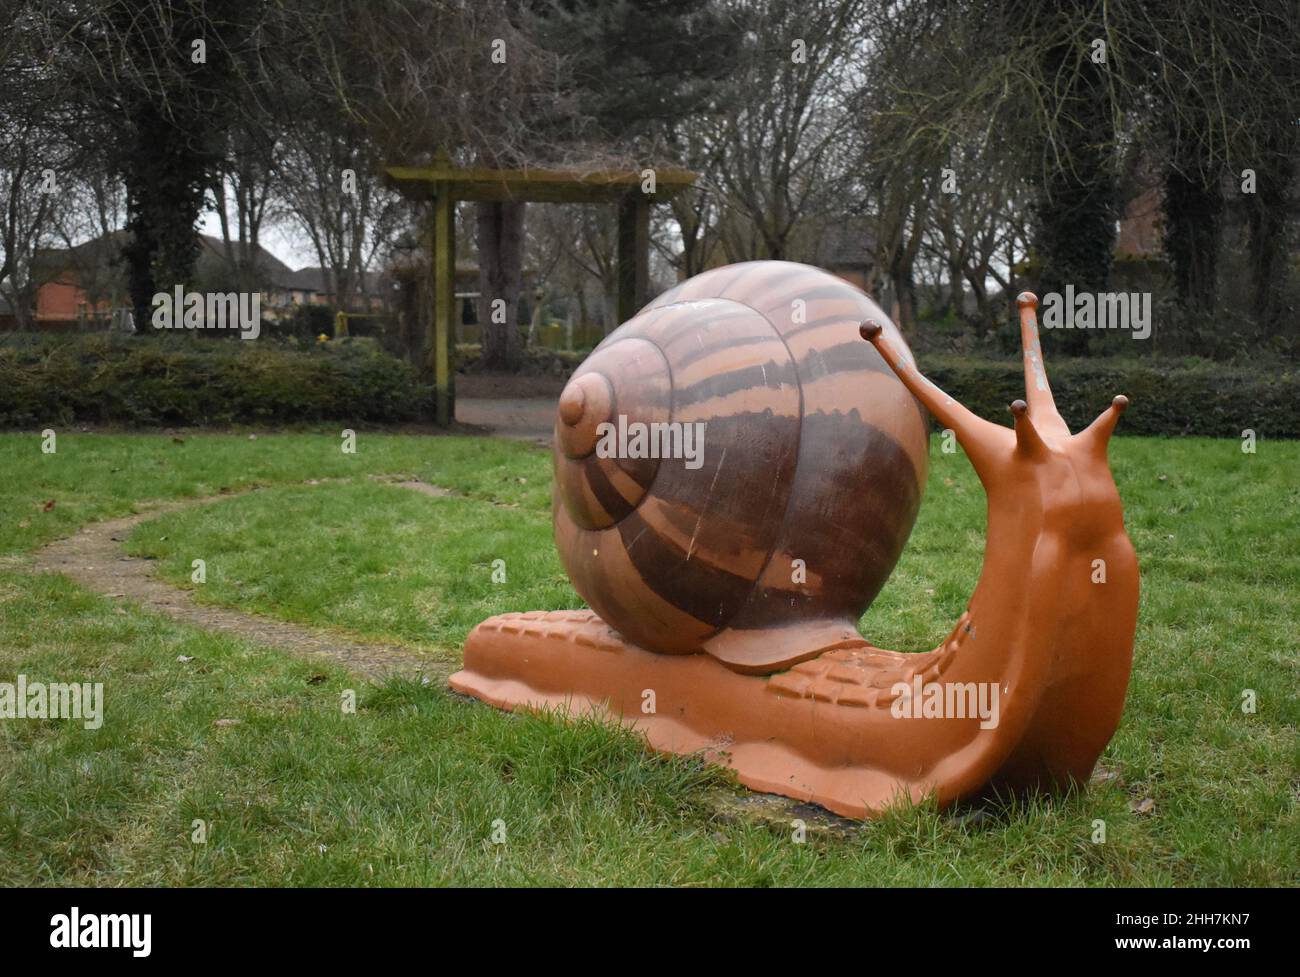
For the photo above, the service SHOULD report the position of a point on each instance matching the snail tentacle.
(1028, 441)
(978, 437)
(1038, 392)
(1097, 434)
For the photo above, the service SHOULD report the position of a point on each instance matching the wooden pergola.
(446, 184)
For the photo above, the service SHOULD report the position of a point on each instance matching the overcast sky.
(280, 241)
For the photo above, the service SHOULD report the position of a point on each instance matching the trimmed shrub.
(177, 381)
(536, 360)
(166, 380)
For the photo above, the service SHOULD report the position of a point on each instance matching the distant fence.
(553, 336)
(386, 329)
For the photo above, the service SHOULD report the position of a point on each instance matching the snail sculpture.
(736, 474)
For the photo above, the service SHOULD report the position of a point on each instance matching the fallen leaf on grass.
(1144, 806)
(227, 722)
(1102, 775)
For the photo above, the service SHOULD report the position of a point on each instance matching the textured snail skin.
(1054, 639)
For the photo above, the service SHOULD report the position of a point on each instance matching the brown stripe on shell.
(603, 489)
(850, 529)
(689, 582)
(873, 397)
(715, 282)
(689, 327)
(767, 278)
(773, 294)
(611, 586)
(714, 527)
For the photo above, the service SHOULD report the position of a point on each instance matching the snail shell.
(813, 451)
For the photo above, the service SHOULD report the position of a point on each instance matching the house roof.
(314, 279)
(847, 243)
(213, 256)
(49, 263)
(309, 279)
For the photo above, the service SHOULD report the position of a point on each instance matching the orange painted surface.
(1028, 686)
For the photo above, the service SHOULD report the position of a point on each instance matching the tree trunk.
(1077, 206)
(1266, 216)
(904, 287)
(500, 275)
(1193, 209)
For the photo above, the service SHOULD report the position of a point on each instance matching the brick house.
(83, 286)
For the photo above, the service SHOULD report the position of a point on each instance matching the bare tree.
(32, 195)
(243, 187)
(777, 141)
(96, 208)
(327, 180)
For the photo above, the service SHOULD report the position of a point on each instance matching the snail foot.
(826, 749)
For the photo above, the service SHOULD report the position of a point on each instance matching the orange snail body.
(776, 682)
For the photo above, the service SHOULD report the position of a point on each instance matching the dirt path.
(94, 558)
(521, 418)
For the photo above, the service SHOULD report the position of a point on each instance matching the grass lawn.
(406, 790)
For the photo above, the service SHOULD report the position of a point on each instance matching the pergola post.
(633, 254)
(444, 304)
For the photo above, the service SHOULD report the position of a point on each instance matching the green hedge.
(108, 378)
(184, 381)
(1198, 398)
(536, 360)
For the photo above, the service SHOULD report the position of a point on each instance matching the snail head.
(1040, 441)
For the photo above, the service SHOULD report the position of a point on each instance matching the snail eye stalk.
(980, 439)
(1038, 392)
(1028, 441)
(1096, 435)
(1036, 418)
